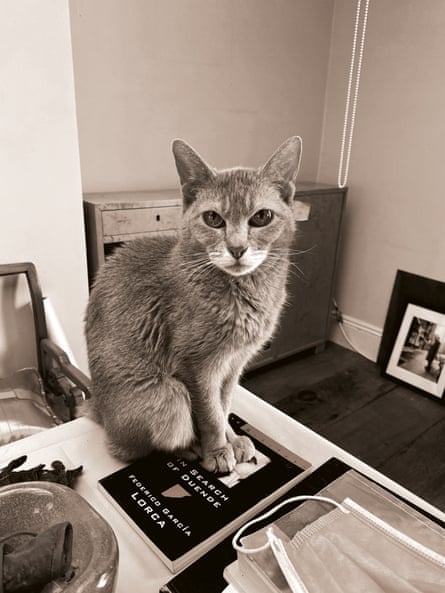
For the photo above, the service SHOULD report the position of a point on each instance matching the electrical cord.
(339, 318)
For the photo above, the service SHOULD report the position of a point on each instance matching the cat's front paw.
(219, 461)
(243, 449)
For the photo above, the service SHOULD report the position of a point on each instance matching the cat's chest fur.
(240, 312)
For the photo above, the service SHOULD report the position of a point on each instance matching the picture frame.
(408, 289)
(418, 354)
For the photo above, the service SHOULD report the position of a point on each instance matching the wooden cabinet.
(113, 218)
(304, 322)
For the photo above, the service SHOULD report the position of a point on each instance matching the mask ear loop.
(240, 548)
(287, 568)
(276, 544)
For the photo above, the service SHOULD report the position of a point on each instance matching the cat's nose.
(237, 252)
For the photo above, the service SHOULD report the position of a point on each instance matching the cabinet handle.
(301, 210)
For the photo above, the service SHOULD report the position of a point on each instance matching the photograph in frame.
(418, 355)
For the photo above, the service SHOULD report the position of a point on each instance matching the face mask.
(351, 550)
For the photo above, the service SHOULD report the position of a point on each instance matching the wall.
(41, 212)
(233, 78)
(395, 212)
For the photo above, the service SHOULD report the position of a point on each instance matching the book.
(260, 572)
(181, 510)
(205, 575)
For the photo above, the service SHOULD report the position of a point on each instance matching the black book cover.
(182, 510)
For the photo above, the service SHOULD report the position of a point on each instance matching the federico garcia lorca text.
(195, 484)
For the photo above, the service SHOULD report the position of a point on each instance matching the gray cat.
(172, 322)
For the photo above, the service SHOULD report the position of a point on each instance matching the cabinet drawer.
(140, 220)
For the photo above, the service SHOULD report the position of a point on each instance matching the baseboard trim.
(363, 337)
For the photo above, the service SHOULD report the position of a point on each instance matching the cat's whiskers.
(190, 265)
(294, 268)
(195, 259)
(290, 250)
(297, 271)
(196, 267)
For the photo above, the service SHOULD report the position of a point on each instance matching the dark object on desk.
(35, 506)
(29, 565)
(11, 475)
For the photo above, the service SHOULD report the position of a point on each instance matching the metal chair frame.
(58, 373)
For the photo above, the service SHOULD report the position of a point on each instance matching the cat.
(172, 321)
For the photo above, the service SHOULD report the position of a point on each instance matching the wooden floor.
(345, 398)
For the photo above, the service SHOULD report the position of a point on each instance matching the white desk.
(83, 442)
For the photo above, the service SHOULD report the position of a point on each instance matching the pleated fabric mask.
(351, 550)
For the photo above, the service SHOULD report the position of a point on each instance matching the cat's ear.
(193, 171)
(284, 164)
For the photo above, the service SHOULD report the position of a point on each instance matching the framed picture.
(408, 289)
(418, 355)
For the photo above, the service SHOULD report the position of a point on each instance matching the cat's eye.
(213, 219)
(261, 218)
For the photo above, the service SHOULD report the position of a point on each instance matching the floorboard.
(345, 398)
